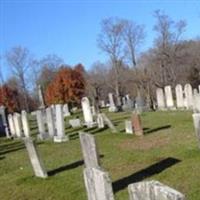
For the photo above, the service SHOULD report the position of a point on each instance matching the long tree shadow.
(156, 129)
(67, 167)
(144, 173)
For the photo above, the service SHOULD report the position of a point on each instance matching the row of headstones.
(19, 124)
(127, 103)
(185, 98)
(97, 181)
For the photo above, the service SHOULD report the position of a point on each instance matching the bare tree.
(111, 42)
(18, 59)
(134, 36)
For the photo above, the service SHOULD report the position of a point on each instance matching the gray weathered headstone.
(66, 112)
(109, 123)
(75, 123)
(41, 125)
(179, 96)
(196, 103)
(98, 184)
(25, 124)
(160, 98)
(153, 190)
(87, 112)
(188, 96)
(35, 158)
(169, 97)
(18, 124)
(196, 122)
(128, 127)
(100, 121)
(112, 107)
(11, 125)
(60, 126)
(89, 150)
(50, 122)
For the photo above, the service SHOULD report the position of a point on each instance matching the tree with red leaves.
(68, 86)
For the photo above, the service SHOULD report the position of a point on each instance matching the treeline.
(171, 60)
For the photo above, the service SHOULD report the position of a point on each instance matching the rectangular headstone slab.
(36, 161)
(160, 98)
(109, 123)
(25, 124)
(137, 124)
(153, 190)
(169, 97)
(128, 127)
(98, 184)
(196, 122)
(75, 123)
(179, 96)
(50, 122)
(18, 124)
(11, 125)
(89, 150)
(100, 121)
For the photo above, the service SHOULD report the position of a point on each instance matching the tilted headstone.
(50, 122)
(179, 96)
(89, 150)
(60, 126)
(87, 113)
(75, 123)
(25, 124)
(41, 97)
(66, 112)
(100, 121)
(18, 124)
(98, 184)
(169, 97)
(153, 190)
(128, 127)
(35, 158)
(137, 124)
(109, 123)
(196, 122)
(188, 96)
(41, 125)
(11, 125)
(160, 98)
(112, 106)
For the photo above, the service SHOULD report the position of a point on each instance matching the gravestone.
(87, 113)
(50, 122)
(100, 121)
(196, 122)
(11, 125)
(188, 96)
(102, 104)
(195, 91)
(196, 103)
(179, 96)
(98, 184)
(112, 107)
(4, 131)
(60, 126)
(41, 97)
(160, 99)
(137, 124)
(109, 123)
(153, 190)
(89, 150)
(169, 97)
(41, 125)
(66, 112)
(128, 127)
(35, 158)
(18, 124)
(139, 103)
(75, 123)
(93, 110)
(25, 124)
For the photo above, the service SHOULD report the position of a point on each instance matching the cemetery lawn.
(168, 152)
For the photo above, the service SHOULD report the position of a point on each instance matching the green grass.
(169, 142)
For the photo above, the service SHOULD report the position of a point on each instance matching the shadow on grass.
(1, 158)
(67, 167)
(147, 131)
(144, 173)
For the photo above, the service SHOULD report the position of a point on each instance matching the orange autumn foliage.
(68, 86)
(8, 98)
